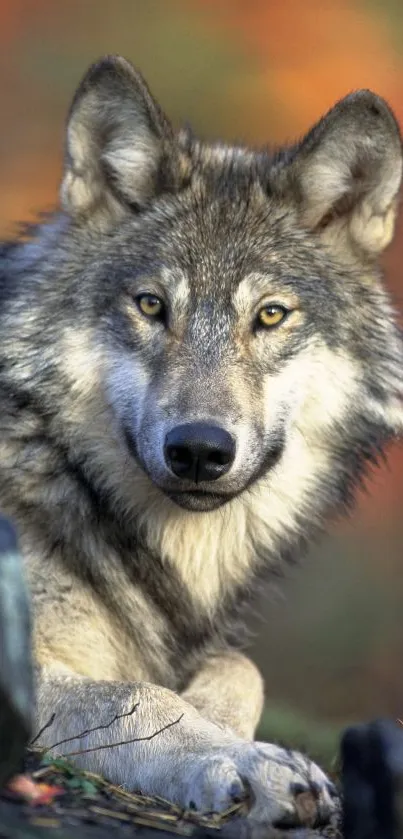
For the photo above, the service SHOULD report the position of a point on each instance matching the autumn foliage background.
(331, 645)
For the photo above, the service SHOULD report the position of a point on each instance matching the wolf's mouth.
(189, 496)
(199, 501)
(202, 501)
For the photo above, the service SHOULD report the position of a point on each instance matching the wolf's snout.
(199, 452)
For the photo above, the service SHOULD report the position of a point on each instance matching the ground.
(71, 804)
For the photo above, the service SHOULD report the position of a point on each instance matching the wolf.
(198, 362)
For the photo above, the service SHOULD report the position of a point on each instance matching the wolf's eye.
(151, 306)
(271, 315)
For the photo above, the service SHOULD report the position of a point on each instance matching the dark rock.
(372, 781)
(16, 677)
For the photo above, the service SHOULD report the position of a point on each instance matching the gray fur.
(139, 578)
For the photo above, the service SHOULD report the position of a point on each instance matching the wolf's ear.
(346, 173)
(119, 144)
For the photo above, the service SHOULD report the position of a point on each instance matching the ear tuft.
(119, 144)
(346, 174)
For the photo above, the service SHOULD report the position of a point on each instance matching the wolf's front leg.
(152, 740)
(228, 690)
(160, 735)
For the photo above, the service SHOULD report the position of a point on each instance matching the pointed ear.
(119, 146)
(346, 173)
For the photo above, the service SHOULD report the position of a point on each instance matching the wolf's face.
(225, 340)
(245, 335)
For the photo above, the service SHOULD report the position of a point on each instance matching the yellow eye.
(271, 315)
(150, 306)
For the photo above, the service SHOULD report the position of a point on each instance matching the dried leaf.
(35, 793)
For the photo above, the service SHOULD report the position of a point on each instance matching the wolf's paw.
(283, 787)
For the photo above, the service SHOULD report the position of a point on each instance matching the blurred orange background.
(260, 71)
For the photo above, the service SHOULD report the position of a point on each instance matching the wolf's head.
(221, 327)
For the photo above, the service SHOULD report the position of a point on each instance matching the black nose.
(199, 452)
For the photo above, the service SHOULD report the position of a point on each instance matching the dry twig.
(90, 730)
(122, 742)
(41, 730)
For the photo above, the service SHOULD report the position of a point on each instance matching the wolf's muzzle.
(199, 451)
